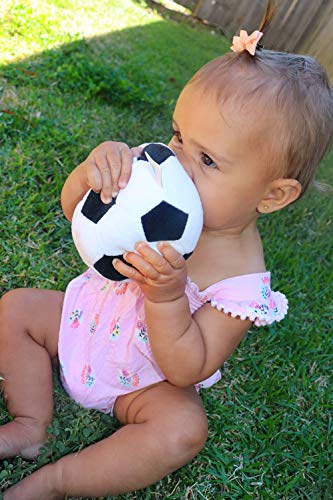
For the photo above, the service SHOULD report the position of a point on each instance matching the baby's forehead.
(245, 116)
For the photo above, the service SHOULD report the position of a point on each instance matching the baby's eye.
(207, 160)
(177, 136)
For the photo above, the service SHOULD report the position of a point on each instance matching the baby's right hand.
(108, 168)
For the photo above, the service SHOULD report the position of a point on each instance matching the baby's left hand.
(162, 278)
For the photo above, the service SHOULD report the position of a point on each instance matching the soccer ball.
(160, 202)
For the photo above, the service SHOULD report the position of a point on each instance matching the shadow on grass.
(133, 75)
(58, 105)
(130, 67)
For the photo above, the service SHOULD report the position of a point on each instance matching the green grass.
(73, 76)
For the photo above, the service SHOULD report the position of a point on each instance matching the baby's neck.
(221, 256)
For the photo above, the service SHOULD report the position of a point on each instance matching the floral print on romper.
(121, 288)
(87, 377)
(115, 329)
(75, 318)
(93, 324)
(141, 331)
(127, 379)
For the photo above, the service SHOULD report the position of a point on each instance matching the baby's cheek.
(184, 160)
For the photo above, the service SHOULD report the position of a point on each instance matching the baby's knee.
(194, 433)
(14, 307)
(188, 434)
(10, 304)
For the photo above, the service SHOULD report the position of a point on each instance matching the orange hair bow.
(246, 42)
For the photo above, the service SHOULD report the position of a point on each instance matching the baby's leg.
(29, 325)
(165, 427)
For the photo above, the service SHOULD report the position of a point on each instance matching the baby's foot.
(23, 436)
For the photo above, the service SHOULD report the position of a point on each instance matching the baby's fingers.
(175, 259)
(93, 177)
(119, 159)
(153, 258)
(144, 267)
(127, 270)
(113, 157)
(99, 175)
(136, 151)
(126, 165)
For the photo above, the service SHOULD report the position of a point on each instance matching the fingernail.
(122, 184)
(114, 194)
(125, 254)
(106, 200)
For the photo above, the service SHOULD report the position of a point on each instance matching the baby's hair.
(291, 90)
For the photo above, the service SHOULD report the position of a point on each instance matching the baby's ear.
(279, 194)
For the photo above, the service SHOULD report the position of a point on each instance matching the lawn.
(73, 74)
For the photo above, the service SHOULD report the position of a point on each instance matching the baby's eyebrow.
(218, 157)
(213, 154)
(221, 158)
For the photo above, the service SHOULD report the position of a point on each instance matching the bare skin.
(166, 423)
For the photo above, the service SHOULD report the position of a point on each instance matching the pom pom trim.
(256, 317)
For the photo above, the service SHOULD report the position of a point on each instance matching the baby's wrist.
(171, 300)
(168, 312)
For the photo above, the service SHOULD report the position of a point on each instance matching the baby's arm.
(187, 348)
(106, 170)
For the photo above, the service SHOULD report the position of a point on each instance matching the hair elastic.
(246, 42)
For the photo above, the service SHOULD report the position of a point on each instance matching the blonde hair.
(291, 89)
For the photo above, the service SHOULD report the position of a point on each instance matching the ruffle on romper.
(246, 297)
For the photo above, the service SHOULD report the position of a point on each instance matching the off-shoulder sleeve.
(249, 297)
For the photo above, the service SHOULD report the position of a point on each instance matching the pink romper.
(104, 349)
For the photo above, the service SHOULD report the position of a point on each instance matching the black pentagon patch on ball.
(94, 209)
(158, 152)
(164, 222)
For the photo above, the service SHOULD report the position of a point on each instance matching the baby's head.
(282, 106)
(289, 99)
